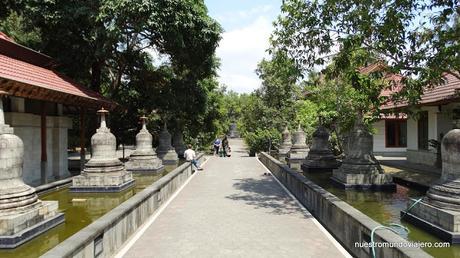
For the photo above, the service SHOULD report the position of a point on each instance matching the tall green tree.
(107, 44)
(272, 106)
(418, 39)
(279, 91)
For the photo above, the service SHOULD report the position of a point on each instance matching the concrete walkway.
(232, 210)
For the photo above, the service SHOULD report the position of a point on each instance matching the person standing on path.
(217, 146)
(190, 156)
(224, 146)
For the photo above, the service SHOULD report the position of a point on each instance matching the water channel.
(80, 210)
(385, 207)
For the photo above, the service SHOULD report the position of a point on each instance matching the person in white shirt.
(190, 156)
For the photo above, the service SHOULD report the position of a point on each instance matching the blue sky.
(247, 25)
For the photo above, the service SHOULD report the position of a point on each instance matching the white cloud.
(240, 50)
(232, 17)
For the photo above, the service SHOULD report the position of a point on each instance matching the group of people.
(221, 147)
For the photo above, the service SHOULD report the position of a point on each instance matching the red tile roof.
(4, 36)
(437, 95)
(29, 75)
(26, 73)
(441, 94)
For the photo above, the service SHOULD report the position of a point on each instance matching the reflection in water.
(80, 210)
(385, 207)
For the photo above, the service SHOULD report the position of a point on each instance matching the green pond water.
(385, 207)
(79, 214)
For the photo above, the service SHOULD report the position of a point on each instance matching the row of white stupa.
(104, 172)
(23, 215)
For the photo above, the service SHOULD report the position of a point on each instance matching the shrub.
(262, 140)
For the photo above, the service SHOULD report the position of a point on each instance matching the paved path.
(232, 210)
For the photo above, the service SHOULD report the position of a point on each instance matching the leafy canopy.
(416, 38)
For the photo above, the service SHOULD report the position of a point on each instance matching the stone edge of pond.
(347, 224)
(112, 230)
(56, 185)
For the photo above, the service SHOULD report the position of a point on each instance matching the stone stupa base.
(295, 160)
(102, 182)
(442, 223)
(169, 158)
(22, 224)
(144, 165)
(364, 177)
(282, 154)
(320, 165)
(180, 154)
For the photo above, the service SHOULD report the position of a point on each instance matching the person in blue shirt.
(217, 146)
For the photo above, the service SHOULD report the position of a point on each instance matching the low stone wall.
(345, 223)
(105, 236)
(422, 157)
(53, 186)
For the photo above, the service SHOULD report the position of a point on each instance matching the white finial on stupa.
(143, 121)
(102, 112)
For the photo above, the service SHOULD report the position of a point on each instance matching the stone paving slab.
(409, 173)
(232, 210)
(417, 178)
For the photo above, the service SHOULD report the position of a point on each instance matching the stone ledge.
(44, 189)
(13, 241)
(363, 181)
(371, 187)
(443, 223)
(146, 171)
(170, 162)
(121, 222)
(102, 189)
(345, 223)
(323, 165)
(308, 169)
(443, 234)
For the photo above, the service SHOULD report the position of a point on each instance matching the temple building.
(411, 136)
(416, 137)
(38, 108)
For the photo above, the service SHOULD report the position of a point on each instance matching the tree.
(418, 39)
(273, 106)
(14, 26)
(107, 45)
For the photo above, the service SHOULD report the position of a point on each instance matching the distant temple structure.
(38, 104)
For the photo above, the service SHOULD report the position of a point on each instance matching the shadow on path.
(265, 193)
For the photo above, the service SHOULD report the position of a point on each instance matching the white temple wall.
(27, 127)
(380, 148)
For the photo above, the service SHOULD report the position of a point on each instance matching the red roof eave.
(28, 74)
